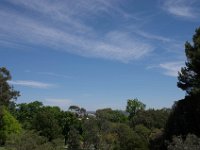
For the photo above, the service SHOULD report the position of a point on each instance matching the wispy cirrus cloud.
(32, 84)
(52, 74)
(182, 8)
(64, 26)
(152, 36)
(172, 68)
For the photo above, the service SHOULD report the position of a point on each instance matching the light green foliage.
(9, 125)
(191, 142)
(30, 140)
(133, 106)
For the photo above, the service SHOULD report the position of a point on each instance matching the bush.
(192, 142)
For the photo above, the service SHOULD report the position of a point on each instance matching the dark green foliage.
(152, 118)
(184, 118)
(26, 112)
(90, 133)
(74, 139)
(68, 120)
(143, 132)
(46, 122)
(128, 139)
(156, 140)
(189, 77)
(111, 115)
(7, 93)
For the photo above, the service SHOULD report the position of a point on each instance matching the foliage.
(156, 139)
(152, 118)
(189, 77)
(74, 139)
(7, 93)
(46, 122)
(192, 142)
(26, 112)
(133, 106)
(30, 140)
(128, 139)
(90, 133)
(9, 125)
(184, 118)
(68, 120)
(111, 115)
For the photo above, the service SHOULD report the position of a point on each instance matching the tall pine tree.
(184, 118)
(189, 76)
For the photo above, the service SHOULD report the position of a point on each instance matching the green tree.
(46, 122)
(9, 125)
(74, 139)
(184, 118)
(111, 115)
(189, 76)
(133, 106)
(152, 118)
(69, 119)
(7, 92)
(90, 133)
(129, 139)
(25, 112)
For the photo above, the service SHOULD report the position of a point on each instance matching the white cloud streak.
(54, 74)
(171, 68)
(61, 26)
(32, 84)
(182, 8)
(152, 36)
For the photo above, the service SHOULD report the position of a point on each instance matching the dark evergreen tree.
(184, 118)
(189, 76)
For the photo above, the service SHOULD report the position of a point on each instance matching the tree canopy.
(189, 76)
(133, 106)
(7, 92)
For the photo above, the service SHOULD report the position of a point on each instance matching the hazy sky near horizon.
(96, 53)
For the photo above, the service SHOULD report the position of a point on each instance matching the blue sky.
(96, 53)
